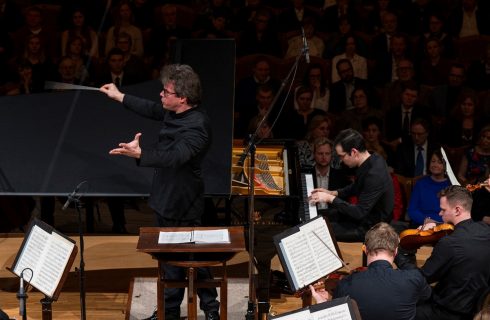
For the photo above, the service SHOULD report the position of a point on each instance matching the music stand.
(190, 256)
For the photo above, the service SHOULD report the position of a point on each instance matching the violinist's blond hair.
(381, 237)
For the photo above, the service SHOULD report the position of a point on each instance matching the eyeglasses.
(167, 93)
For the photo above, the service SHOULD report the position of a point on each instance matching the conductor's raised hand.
(130, 149)
(112, 92)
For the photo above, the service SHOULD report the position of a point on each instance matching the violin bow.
(450, 173)
(334, 253)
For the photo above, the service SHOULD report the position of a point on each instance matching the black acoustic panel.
(53, 141)
(214, 61)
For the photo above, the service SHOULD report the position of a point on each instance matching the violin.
(411, 239)
(329, 282)
(474, 187)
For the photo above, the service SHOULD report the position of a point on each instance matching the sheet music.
(175, 237)
(47, 254)
(212, 236)
(339, 312)
(301, 257)
(301, 315)
(325, 259)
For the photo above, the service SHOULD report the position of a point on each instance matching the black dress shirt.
(460, 263)
(374, 188)
(382, 292)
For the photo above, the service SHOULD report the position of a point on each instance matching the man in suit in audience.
(399, 117)
(341, 91)
(412, 155)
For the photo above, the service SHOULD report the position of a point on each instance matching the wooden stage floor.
(111, 262)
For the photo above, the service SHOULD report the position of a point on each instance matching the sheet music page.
(300, 315)
(175, 237)
(47, 255)
(53, 264)
(319, 237)
(212, 236)
(339, 312)
(31, 254)
(301, 258)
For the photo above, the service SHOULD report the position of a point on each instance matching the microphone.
(21, 295)
(71, 196)
(306, 50)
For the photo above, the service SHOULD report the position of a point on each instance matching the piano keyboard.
(309, 211)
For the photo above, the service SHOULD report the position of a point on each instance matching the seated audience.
(350, 51)
(316, 79)
(320, 126)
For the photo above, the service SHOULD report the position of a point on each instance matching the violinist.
(459, 263)
(381, 292)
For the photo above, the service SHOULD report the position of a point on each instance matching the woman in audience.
(320, 126)
(475, 164)
(79, 28)
(465, 121)
(361, 100)
(434, 68)
(76, 51)
(424, 202)
(124, 22)
(316, 46)
(359, 63)
(316, 79)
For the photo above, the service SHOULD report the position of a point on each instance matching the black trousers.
(175, 296)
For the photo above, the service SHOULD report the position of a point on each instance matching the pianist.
(372, 187)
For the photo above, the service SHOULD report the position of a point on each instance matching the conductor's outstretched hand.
(130, 149)
(112, 92)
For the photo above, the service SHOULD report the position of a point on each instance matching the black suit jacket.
(394, 123)
(405, 158)
(338, 98)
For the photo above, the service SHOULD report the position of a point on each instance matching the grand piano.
(281, 201)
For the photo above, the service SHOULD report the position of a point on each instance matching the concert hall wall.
(53, 141)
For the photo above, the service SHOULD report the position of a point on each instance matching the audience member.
(443, 98)
(415, 17)
(372, 131)
(134, 66)
(412, 155)
(469, 20)
(334, 13)
(327, 177)
(424, 203)
(315, 44)
(76, 51)
(399, 290)
(245, 15)
(475, 164)
(113, 71)
(334, 43)
(295, 120)
(316, 79)
(434, 68)
(359, 63)
(294, 15)
(400, 117)
(465, 121)
(246, 89)
(34, 25)
(341, 91)
(216, 27)
(382, 42)
(23, 84)
(79, 28)
(123, 22)
(436, 30)
(386, 63)
(405, 72)
(164, 34)
(362, 101)
(320, 126)
(372, 186)
(259, 37)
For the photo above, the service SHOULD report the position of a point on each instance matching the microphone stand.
(22, 296)
(250, 149)
(81, 269)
